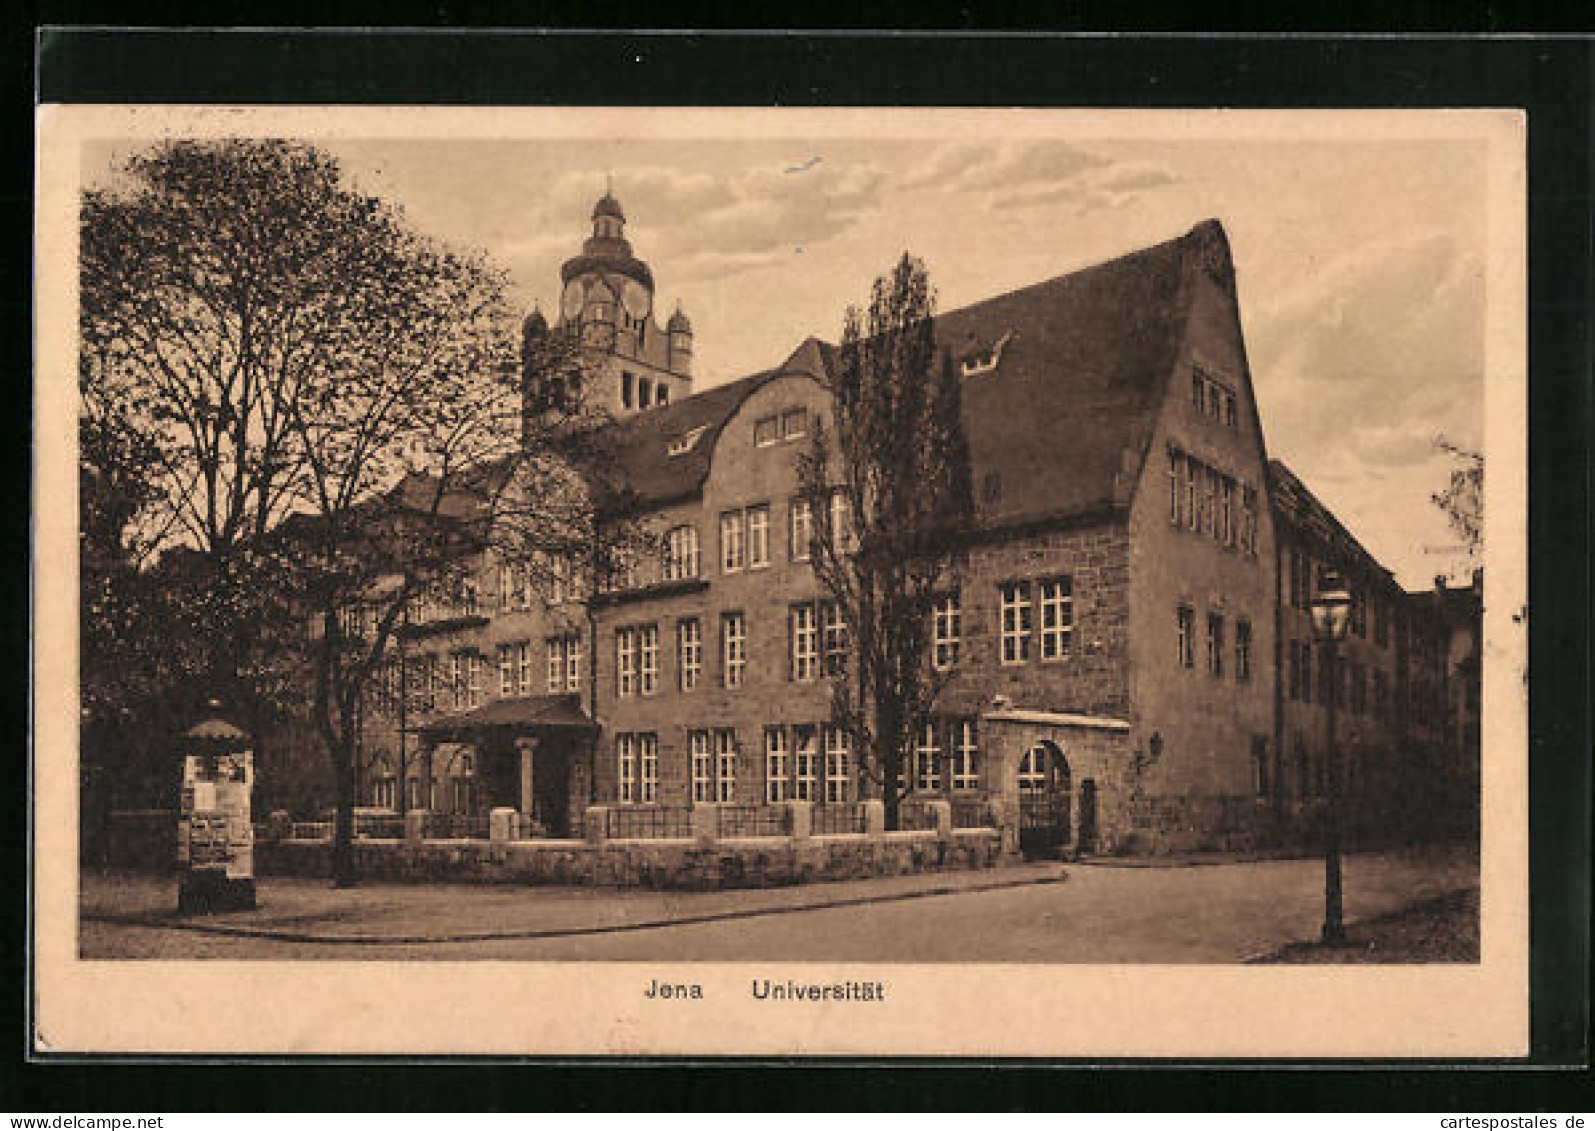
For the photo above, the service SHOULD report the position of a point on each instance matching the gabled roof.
(1299, 508)
(1061, 424)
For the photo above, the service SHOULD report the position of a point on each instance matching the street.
(1102, 912)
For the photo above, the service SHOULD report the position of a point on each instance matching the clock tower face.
(571, 303)
(637, 299)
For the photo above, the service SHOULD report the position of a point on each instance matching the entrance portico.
(531, 754)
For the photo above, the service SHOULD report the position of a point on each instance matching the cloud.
(1025, 175)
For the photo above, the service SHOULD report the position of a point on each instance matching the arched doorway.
(1044, 801)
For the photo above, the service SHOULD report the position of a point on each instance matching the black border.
(1550, 78)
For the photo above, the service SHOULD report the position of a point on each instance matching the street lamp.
(1331, 612)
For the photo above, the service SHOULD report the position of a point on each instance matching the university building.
(1129, 658)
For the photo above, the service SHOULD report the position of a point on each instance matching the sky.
(1359, 262)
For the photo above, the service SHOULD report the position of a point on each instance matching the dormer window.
(976, 360)
(685, 443)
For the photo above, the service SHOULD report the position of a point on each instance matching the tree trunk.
(343, 864)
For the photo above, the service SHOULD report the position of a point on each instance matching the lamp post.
(1331, 612)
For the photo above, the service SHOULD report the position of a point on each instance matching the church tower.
(608, 301)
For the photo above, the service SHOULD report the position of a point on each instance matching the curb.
(564, 932)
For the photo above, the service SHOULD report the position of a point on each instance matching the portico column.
(526, 747)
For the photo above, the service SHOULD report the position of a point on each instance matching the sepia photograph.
(783, 559)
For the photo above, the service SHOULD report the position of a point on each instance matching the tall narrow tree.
(888, 482)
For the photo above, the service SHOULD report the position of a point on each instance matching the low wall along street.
(705, 861)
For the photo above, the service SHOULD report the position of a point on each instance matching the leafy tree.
(889, 484)
(331, 405)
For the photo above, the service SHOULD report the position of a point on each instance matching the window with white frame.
(766, 431)
(702, 766)
(689, 652)
(777, 764)
(514, 588)
(844, 538)
(1033, 770)
(626, 768)
(966, 756)
(506, 669)
(681, 553)
(838, 766)
(648, 764)
(1015, 622)
(805, 762)
(1184, 628)
(1226, 511)
(458, 663)
(1057, 617)
(834, 626)
(648, 649)
(927, 756)
(800, 529)
(1249, 519)
(946, 632)
(805, 642)
(573, 663)
(733, 542)
(1215, 644)
(794, 423)
(733, 648)
(725, 765)
(625, 662)
(1193, 495)
(758, 537)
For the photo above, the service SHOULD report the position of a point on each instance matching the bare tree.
(888, 482)
(1463, 499)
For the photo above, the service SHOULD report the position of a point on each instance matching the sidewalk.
(311, 910)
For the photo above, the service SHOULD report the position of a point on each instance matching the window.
(834, 625)
(625, 662)
(926, 756)
(1243, 650)
(644, 388)
(838, 766)
(966, 756)
(506, 669)
(1198, 392)
(689, 652)
(946, 632)
(1249, 520)
(804, 763)
(648, 757)
(1226, 510)
(725, 765)
(1193, 495)
(1210, 501)
(800, 529)
(766, 431)
(1057, 617)
(564, 664)
(681, 555)
(733, 542)
(1015, 622)
(1260, 766)
(1184, 629)
(794, 423)
(733, 648)
(845, 537)
(662, 393)
(514, 590)
(648, 646)
(1215, 644)
(777, 764)
(1033, 770)
(467, 678)
(702, 766)
(805, 643)
(626, 382)
(626, 768)
(1230, 414)
(1176, 473)
(758, 537)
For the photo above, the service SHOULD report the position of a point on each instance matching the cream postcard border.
(971, 1010)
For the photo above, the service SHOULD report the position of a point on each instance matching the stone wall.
(683, 865)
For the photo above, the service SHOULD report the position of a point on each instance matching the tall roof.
(1301, 509)
(1058, 427)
